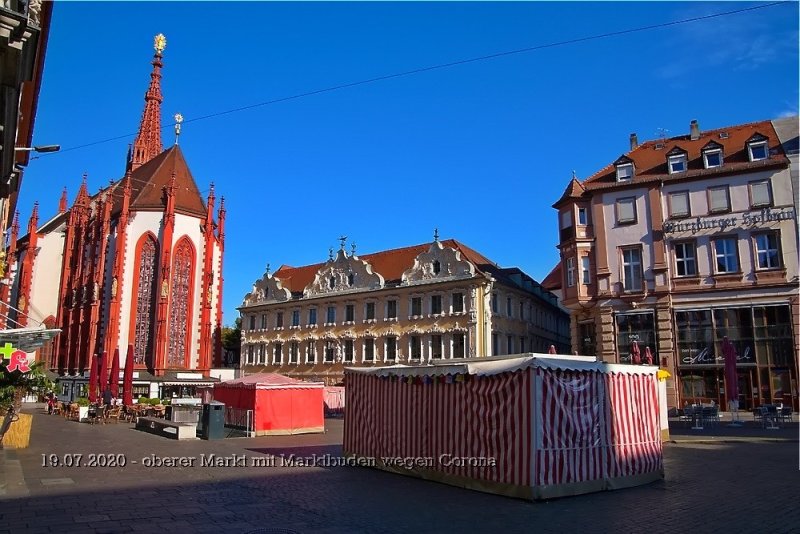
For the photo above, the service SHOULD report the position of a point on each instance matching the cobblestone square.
(713, 483)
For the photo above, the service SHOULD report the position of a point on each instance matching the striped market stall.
(533, 427)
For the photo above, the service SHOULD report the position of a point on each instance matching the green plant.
(15, 385)
(166, 402)
(154, 402)
(143, 400)
(82, 401)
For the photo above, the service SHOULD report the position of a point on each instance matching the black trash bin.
(213, 419)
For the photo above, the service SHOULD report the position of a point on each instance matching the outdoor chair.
(785, 414)
(96, 415)
(710, 415)
(58, 408)
(689, 414)
(114, 414)
(74, 412)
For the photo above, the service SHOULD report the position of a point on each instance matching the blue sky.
(480, 150)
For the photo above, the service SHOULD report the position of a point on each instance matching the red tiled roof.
(553, 280)
(574, 189)
(388, 263)
(149, 181)
(650, 163)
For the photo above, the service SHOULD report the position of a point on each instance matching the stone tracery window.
(142, 345)
(180, 305)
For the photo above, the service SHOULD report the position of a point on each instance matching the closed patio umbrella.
(648, 356)
(551, 350)
(731, 380)
(636, 355)
(113, 378)
(102, 377)
(93, 380)
(127, 378)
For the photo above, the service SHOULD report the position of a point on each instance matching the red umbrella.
(551, 350)
(102, 377)
(648, 356)
(127, 378)
(731, 380)
(93, 380)
(113, 379)
(636, 356)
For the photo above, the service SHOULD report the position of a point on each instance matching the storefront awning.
(27, 339)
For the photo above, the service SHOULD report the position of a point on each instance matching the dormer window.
(758, 151)
(437, 267)
(677, 163)
(350, 279)
(712, 155)
(625, 172)
(331, 282)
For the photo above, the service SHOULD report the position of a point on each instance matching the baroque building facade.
(409, 305)
(681, 242)
(138, 262)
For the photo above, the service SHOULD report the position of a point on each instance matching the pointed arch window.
(180, 305)
(147, 253)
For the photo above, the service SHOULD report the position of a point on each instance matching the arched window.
(180, 305)
(144, 295)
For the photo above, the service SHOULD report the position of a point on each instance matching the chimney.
(694, 130)
(634, 141)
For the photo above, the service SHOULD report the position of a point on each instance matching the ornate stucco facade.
(437, 300)
(681, 242)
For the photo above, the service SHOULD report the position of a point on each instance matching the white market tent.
(534, 427)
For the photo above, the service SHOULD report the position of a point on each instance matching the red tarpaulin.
(102, 377)
(93, 380)
(113, 378)
(281, 405)
(127, 378)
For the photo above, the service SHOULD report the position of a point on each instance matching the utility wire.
(443, 66)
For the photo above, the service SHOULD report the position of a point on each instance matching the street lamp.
(40, 149)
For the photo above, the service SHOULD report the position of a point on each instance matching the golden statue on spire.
(159, 43)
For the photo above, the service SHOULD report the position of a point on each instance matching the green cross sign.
(6, 350)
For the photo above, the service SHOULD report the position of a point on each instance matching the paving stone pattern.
(709, 487)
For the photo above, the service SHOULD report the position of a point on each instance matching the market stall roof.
(28, 339)
(269, 381)
(497, 365)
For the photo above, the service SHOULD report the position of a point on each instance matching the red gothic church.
(137, 262)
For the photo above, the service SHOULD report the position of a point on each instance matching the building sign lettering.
(706, 356)
(747, 219)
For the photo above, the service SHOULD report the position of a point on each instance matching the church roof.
(149, 180)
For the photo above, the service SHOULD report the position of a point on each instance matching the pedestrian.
(107, 398)
(50, 403)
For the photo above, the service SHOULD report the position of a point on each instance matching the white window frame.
(386, 348)
(415, 347)
(463, 337)
(776, 249)
(583, 216)
(328, 315)
(311, 352)
(586, 272)
(712, 151)
(277, 353)
(368, 342)
(635, 267)
(625, 172)
(726, 254)
(349, 345)
(366, 311)
(685, 260)
(294, 352)
(757, 144)
(672, 161)
(571, 271)
(435, 346)
(453, 302)
(411, 303)
(395, 302)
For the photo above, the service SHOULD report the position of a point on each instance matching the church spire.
(62, 204)
(148, 141)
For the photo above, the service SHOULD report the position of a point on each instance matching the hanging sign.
(18, 360)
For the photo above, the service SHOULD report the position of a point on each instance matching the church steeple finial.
(148, 141)
(62, 204)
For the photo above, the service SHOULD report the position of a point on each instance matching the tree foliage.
(15, 385)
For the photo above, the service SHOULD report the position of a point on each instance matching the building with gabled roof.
(682, 242)
(138, 262)
(413, 304)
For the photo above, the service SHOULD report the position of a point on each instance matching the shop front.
(765, 354)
